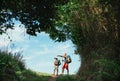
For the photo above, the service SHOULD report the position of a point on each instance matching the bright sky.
(39, 52)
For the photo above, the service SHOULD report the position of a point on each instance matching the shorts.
(65, 66)
(56, 67)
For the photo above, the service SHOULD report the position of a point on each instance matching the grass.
(35, 76)
(43, 74)
(67, 78)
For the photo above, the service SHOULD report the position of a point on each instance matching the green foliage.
(11, 67)
(63, 21)
(36, 15)
(90, 24)
(108, 70)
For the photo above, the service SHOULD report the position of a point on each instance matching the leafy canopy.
(35, 15)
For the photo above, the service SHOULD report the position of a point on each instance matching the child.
(56, 66)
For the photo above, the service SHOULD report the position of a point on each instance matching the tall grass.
(11, 66)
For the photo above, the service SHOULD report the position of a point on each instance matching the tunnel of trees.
(92, 25)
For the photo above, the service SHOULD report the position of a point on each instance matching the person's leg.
(63, 69)
(56, 70)
(66, 66)
(67, 71)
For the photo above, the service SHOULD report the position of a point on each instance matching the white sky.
(38, 52)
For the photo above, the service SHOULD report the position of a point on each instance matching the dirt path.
(53, 78)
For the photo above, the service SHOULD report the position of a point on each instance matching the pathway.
(53, 78)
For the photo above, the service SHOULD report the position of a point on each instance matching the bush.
(11, 66)
(108, 70)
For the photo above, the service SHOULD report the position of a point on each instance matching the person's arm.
(60, 56)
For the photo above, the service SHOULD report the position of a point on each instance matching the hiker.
(66, 61)
(57, 63)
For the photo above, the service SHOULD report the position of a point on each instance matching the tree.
(94, 27)
(35, 15)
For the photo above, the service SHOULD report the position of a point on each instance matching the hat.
(55, 58)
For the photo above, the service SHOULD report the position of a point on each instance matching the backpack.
(68, 59)
(57, 62)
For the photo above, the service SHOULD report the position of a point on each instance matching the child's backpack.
(57, 62)
(68, 59)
